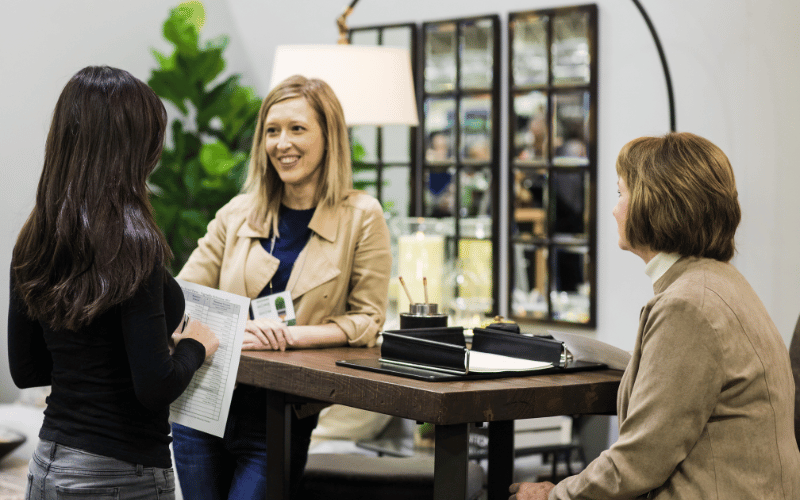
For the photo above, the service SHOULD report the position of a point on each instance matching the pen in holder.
(421, 315)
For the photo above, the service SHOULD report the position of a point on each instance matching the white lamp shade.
(374, 84)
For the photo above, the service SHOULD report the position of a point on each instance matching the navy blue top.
(295, 233)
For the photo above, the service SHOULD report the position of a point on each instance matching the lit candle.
(420, 256)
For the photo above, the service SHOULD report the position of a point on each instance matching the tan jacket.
(341, 276)
(794, 355)
(706, 404)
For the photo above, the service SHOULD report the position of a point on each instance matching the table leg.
(501, 459)
(279, 426)
(450, 462)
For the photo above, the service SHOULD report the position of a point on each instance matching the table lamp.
(373, 84)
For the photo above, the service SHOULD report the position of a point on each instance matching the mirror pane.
(571, 48)
(570, 199)
(477, 42)
(440, 57)
(399, 37)
(440, 192)
(396, 146)
(530, 203)
(364, 37)
(529, 43)
(476, 199)
(364, 143)
(571, 128)
(529, 282)
(365, 178)
(440, 116)
(472, 275)
(530, 135)
(571, 288)
(397, 191)
(476, 128)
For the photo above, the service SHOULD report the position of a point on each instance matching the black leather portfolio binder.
(440, 354)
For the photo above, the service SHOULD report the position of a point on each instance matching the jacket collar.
(673, 273)
(324, 223)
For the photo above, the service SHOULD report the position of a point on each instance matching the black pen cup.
(422, 316)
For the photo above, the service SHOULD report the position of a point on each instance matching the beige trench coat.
(341, 276)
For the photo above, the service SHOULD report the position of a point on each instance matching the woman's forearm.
(317, 336)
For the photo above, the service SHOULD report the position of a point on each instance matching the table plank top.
(314, 374)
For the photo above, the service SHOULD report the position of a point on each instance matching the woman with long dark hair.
(92, 307)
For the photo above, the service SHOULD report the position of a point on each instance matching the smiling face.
(295, 143)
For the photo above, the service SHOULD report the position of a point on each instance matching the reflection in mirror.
(440, 57)
(366, 179)
(530, 50)
(396, 196)
(476, 54)
(530, 136)
(571, 288)
(475, 193)
(529, 283)
(399, 37)
(365, 136)
(571, 128)
(530, 202)
(440, 192)
(571, 48)
(439, 120)
(395, 144)
(570, 195)
(471, 269)
(476, 128)
(364, 37)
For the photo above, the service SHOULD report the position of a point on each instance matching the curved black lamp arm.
(663, 57)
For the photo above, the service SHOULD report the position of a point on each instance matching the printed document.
(205, 403)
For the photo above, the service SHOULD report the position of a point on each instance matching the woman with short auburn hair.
(683, 196)
(706, 402)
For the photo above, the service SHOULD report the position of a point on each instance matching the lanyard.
(271, 249)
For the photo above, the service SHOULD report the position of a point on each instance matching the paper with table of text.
(205, 403)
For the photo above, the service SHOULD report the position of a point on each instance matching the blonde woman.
(299, 228)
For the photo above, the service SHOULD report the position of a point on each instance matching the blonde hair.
(263, 180)
(683, 196)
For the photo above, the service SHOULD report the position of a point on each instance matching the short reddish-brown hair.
(682, 196)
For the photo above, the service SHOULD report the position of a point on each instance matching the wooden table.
(451, 406)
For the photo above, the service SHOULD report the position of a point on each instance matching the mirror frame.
(550, 241)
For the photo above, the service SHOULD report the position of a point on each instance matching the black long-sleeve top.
(112, 380)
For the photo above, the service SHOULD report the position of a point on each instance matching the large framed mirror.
(552, 147)
(385, 158)
(453, 244)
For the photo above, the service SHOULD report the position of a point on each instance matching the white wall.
(735, 71)
(736, 75)
(44, 43)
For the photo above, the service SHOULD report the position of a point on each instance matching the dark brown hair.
(91, 239)
(682, 196)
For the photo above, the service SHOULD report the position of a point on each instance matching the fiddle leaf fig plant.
(206, 162)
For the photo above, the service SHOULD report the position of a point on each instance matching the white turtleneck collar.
(660, 264)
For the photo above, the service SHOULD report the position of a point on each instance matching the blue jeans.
(234, 467)
(58, 472)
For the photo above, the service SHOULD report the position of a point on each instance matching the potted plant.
(205, 164)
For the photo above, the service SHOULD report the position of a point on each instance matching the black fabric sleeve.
(158, 377)
(28, 358)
